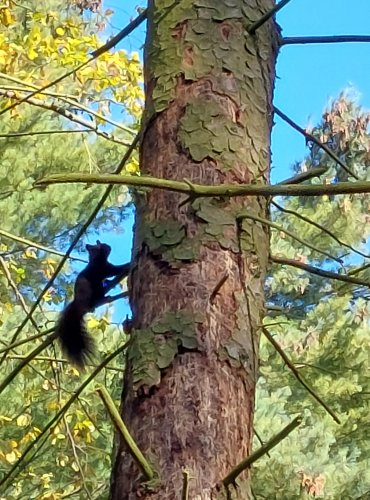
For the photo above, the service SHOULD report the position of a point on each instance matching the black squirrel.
(89, 292)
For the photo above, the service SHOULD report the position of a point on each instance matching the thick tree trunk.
(198, 274)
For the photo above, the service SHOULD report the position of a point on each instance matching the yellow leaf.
(11, 457)
(23, 420)
(75, 466)
(30, 253)
(60, 31)
(32, 54)
(6, 17)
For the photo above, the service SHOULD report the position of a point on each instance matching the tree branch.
(305, 176)
(319, 272)
(247, 462)
(297, 375)
(312, 138)
(289, 233)
(4, 384)
(121, 35)
(204, 190)
(294, 40)
(44, 132)
(320, 227)
(10, 347)
(30, 243)
(257, 24)
(16, 291)
(133, 449)
(66, 114)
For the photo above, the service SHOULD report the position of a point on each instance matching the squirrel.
(89, 292)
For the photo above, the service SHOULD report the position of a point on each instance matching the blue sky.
(308, 76)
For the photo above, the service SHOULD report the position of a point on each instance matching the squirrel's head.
(98, 250)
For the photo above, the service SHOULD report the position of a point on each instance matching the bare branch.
(30, 243)
(253, 27)
(10, 347)
(72, 100)
(297, 375)
(305, 176)
(44, 132)
(204, 190)
(295, 40)
(319, 272)
(289, 233)
(312, 138)
(134, 450)
(122, 34)
(247, 462)
(66, 114)
(16, 291)
(9, 378)
(319, 226)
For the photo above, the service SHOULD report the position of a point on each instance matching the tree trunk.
(198, 274)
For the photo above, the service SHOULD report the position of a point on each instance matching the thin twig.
(185, 484)
(247, 462)
(253, 27)
(245, 215)
(319, 272)
(294, 40)
(312, 138)
(17, 293)
(319, 226)
(26, 340)
(75, 454)
(297, 375)
(71, 100)
(30, 243)
(121, 35)
(305, 176)
(218, 287)
(44, 132)
(11, 376)
(63, 361)
(66, 113)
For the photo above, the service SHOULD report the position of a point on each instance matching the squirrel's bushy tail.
(74, 339)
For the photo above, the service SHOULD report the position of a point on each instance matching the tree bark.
(196, 287)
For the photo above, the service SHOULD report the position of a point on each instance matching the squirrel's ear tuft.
(98, 242)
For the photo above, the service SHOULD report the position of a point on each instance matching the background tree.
(322, 325)
(69, 128)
